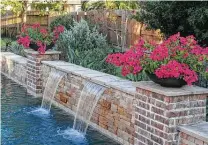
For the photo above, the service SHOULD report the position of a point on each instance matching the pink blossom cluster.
(44, 31)
(174, 69)
(25, 41)
(57, 31)
(176, 57)
(42, 47)
(159, 53)
(130, 60)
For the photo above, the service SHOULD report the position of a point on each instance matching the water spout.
(50, 88)
(89, 97)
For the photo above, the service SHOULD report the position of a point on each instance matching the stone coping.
(16, 58)
(185, 90)
(94, 76)
(199, 130)
(31, 51)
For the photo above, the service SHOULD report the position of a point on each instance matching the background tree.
(188, 18)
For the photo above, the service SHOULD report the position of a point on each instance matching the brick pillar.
(34, 74)
(159, 110)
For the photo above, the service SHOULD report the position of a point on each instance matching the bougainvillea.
(176, 57)
(35, 34)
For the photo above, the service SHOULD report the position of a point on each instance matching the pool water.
(23, 123)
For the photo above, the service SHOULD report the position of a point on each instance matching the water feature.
(87, 102)
(21, 125)
(50, 88)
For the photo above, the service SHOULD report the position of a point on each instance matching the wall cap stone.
(31, 51)
(185, 90)
(16, 58)
(94, 76)
(199, 131)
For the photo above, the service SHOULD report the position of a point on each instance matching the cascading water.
(50, 88)
(87, 102)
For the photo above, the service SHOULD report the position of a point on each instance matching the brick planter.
(34, 78)
(159, 110)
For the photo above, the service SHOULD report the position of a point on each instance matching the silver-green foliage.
(17, 49)
(84, 46)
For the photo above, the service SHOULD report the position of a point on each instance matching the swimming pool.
(23, 123)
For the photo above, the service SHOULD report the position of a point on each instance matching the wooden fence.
(119, 28)
(11, 25)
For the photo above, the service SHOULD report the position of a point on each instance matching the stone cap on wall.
(199, 131)
(48, 52)
(94, 76)
(16, 58)
(156, 88)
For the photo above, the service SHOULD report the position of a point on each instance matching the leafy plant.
(16, 6)
(127, 5)
(17, 49)
(84, 46)
(188, 18)
(39, 36)
(54, 6)
(177, 57)
(64, 20)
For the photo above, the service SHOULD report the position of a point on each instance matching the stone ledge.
(30, 51)
(185, 90)
(94, 76)
(16, 58)
(199, 131)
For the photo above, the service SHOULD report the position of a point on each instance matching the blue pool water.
(23, 123)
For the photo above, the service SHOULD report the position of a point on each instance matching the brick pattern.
(157, 116)
(34, 72)
(114, 112)
(185, 139)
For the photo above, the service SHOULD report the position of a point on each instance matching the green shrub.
(188, 18)
(85, 46)
(10, 45)
(65, 20)
(17, 49)
(79, 39)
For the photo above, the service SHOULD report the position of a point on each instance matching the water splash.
(74, 136)
(87, 102)
(40, 112)
(50, 88)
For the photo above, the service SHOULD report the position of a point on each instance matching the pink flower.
(177, 57)
(25, 41)
(159, 53)
(57, 31)
(42, 47)
(174, 69)
(43, 31)
(34, 26)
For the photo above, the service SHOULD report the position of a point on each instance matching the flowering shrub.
(40, 36)
(176, 57)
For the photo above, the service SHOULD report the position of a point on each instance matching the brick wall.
(148, 115)
(160, 110)
(194, 134)
(33, 67)
(113, 114)
(186, 139)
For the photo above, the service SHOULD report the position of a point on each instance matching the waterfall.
(50, 88)
(87, 102)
